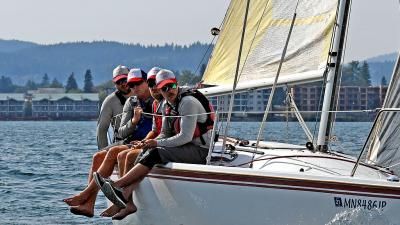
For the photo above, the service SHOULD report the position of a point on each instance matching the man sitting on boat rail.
(112, 106)
(185, 137)
(134, 126)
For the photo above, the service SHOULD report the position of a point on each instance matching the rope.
(260, 112)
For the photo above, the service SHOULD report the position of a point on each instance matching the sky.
(374, 26)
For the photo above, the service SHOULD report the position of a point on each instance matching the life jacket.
(201, 128)
(145, 123)
(121, 97)
(122, 100)
(158, 116)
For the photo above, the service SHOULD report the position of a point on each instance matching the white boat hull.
(203, 195)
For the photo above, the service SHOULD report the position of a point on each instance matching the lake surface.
(43, 162)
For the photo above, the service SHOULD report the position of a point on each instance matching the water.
(43, 162)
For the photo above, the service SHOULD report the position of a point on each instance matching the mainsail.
(385, 145)
(266, 32)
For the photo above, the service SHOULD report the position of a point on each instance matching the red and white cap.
(119, 73)
(153, 72)
(164, 77)
(136, 75)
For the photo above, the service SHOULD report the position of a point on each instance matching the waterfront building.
(307, 98)
(11, 105)
(65, 106)
(59, 106)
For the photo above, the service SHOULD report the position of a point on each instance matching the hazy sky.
(374, 27)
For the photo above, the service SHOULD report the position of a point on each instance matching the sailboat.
(265, 44)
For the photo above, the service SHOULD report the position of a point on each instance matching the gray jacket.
(187, 106)
(110, 109)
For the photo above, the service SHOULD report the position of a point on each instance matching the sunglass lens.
(151, 84)
(168, 87)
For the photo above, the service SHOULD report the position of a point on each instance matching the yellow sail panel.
(266, 31)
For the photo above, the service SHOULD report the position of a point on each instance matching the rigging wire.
(211, 43)
(326, 70)
(254, 37)
(341, 71)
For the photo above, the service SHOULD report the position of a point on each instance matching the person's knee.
(114, 152)
(99, 156)
(121, 156)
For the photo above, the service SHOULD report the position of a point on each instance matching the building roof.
(14, 96)
(74, 97)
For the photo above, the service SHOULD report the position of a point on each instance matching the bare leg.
(105, 169)
(121, 161)
(98, 159)
(133, 176)
(130, 159)
(78, 199)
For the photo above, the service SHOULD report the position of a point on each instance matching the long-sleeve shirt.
(188, 105)
(126, 127)
(110, 108)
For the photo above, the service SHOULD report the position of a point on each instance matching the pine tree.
(30, 85)
(383, 81)
(55, 84)
(6, 85)
(88, 85)
(71, 83)
(365, 75)
(45, 81)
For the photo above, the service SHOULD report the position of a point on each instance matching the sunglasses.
(121, 81)
(135, 84)
(168, 87)
(151, 83)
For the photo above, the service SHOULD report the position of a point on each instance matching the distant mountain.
(22, 60)
(15, 45)
(383, 58)
(60, 60)
(381, 66)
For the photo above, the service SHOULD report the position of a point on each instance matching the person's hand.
(135, 143)
(137, 113)
(151, 143)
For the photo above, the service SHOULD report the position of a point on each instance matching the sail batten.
(267, 29)
(299, 78)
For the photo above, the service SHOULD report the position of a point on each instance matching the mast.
(331, 88)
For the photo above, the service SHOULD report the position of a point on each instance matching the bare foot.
(110, 211)
(130, 208)
(80, 210)
(75, 200)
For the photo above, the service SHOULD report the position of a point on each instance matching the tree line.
(71, 86)
(185, 77)
(358, 74)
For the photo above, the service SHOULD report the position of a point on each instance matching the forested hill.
(22, 61)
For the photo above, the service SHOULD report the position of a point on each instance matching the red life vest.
(158, 116)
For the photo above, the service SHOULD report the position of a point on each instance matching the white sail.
(266, 32)
(384, 148)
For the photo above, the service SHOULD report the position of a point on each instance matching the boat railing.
(372, 131)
